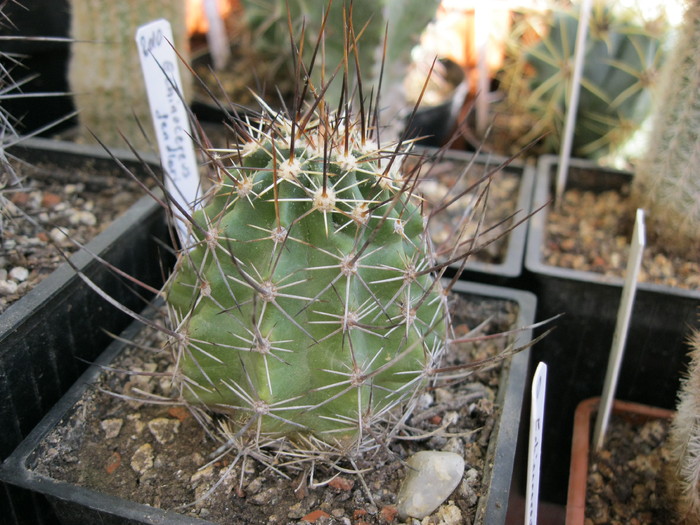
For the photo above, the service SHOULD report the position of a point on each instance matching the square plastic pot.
(577, 351)
(508, 270)
(78, 505)
(52, 334)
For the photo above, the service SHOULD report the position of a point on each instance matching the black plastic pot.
(508, 270)
(52, 334)
(77, 505)
(577, 351)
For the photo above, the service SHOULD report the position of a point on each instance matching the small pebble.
(431, 476)
(450, 515)
(8, 287)
(142, 459)
(111, 427)
(425, 400)
(316, 515)
(19, 273)
(164, 429)
(342, 484)
(82, 217)
(49, 200)
(204, 473)
(266, 497)
(57, 235)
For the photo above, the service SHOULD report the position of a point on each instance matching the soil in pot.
(456, 225)
(626, 477)
(592, 231)
(159, 455)
(54, 205)
(626, 480)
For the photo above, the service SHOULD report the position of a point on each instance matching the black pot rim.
(534, 262)
(512, 264)
(493, 507)
(52, 285)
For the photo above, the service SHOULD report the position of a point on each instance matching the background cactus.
(622, 55)
(306, 304)
(104, 72)
(684, 439)
(8, 135)
(667, 180)
(405, 20)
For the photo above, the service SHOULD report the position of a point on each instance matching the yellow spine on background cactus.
(684, 482)
(105, 74)
(667, 181)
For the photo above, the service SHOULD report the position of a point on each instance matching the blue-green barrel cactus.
(306, 305)
(622, 56)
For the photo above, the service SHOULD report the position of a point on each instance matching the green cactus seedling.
(307, 303)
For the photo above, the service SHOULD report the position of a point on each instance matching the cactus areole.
(307, 306)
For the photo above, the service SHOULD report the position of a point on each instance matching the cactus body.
(305, 305)
(684, 438)
(667, 180)
(621, 57)
(104, 72)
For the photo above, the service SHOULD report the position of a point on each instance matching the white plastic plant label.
(534, 457)
(624, 314)
(159, 64)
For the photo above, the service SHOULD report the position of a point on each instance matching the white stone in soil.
(164, 429)
(19, 273)
(430, 479)
(111, 427)
(84, 217)
(450, 515)
(57, 235)
(7, 287)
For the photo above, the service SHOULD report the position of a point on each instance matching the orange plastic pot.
(580, 447)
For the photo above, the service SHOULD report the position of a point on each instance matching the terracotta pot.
(580, 446)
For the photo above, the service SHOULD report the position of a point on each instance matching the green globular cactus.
(622, 56)
(667, 179)
(306, 305)
(104, 71)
